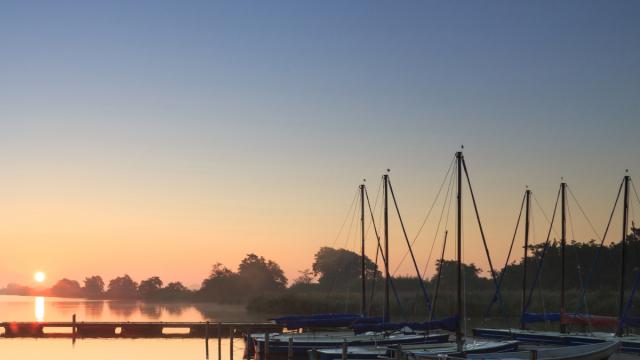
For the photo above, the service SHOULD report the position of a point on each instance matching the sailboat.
(347, 328)
(461, 345)
(629, 343)
(579, 352)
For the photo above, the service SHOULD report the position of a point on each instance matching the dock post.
(534, 355)
(290, 349)
(73, 329)
(266, 346)
(219, 341)
(344, 349)
(247, 345)
(206, 340)
(231, 331)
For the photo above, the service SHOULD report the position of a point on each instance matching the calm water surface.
(26, 308)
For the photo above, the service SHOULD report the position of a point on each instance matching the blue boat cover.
(538, 317)
(324, 320)
(450, 324)
(634, 322)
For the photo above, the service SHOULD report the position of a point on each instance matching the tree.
(122, 287)
(258, 275)
(174, 291)
(93, 287)
(150, 288)
(305, 278)
(340, 266)
(471, 276)
(222, 285)
(67, 288)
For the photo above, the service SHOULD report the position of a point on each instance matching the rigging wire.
(413, 258)
(484, 240)
(355, 197)
(583, 213)
(424, 221)
(537, 277)
(434, 201)
(447, 200)
(506, 262)
(594, 263)
(535, 199)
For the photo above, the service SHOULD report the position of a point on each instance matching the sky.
(162, 137)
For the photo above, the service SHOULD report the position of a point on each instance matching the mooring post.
(231, 331)
(206, 340)
(266, 346)
(290, 349)
(219, 341)
(534, 355)
(73, 329)
(344, 349)
(247, 344)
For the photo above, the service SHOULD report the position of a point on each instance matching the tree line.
(336, 274)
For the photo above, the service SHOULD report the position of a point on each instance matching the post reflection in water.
(39, 305)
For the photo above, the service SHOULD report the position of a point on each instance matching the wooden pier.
(74, 329)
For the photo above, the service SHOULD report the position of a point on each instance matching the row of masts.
(459, 159)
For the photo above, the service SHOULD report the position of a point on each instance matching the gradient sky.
(160, 137)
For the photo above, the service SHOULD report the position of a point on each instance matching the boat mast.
(362, 263)
(459, 249)
(625, 220)
(563, 242)
(526, 249)
(385, 180)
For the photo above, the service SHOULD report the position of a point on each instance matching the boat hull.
(629, 344)
(279, 349)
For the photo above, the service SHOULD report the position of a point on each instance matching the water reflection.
(152, 311)
(93, 309)
(39, 304)
(28, 308)
(122, 309)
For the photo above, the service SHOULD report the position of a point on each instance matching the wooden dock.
(134, 329)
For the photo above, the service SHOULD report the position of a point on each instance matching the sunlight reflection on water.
(39, 305)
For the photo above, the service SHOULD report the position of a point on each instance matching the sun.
(39, 276)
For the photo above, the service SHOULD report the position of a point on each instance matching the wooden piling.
(266, 346)
(344, 349)
(73, 325)
(206, 340)
(534, 355)
(290, 349)
(219, 341)
(231, 331)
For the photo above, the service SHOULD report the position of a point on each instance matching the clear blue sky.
(176, 124)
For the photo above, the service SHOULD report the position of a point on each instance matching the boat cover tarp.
(538, 317)
(633, 322)
(589, 320)
(450, 324)
(324, 320)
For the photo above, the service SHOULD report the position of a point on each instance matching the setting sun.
(39, 276)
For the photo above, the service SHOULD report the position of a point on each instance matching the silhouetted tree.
(67, 288)
(122, 287)
(335, 266)
(93, 287)
(150, 288)
(175, 291)
(471, 276)
(222, 285)
(257, 275)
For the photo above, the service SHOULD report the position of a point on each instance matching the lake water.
(27, 308)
